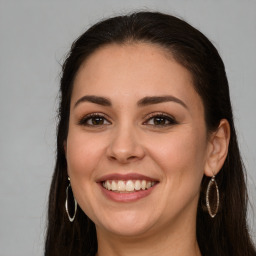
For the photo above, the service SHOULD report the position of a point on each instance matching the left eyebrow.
(160, 99)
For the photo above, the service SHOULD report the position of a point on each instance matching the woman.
(147, 155)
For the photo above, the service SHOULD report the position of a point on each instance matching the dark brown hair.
(227, 233)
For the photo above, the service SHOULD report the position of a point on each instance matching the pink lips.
(125, 196)
(130, 176)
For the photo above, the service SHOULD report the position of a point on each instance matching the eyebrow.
(149, 100)
(160, 99)
(94, 99)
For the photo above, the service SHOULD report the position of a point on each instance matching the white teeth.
(114, 186)
(148, 184)
(128, 186)
(108, 185)
(120, 186)
(137, 185)
(143, 184)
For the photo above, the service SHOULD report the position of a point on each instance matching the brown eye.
(97, 120)
(161, 120)
(94, 120)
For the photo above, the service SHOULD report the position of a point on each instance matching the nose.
(125, 146)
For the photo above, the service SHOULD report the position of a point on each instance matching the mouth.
(127, 186)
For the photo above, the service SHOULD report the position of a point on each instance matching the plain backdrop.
(34, 39)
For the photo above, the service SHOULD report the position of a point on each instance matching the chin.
(126, 224)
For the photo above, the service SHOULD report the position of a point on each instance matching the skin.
(129, 140)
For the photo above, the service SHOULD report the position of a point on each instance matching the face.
(137, 140)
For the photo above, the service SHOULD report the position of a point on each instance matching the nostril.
(123, 159)
(112, 158)
(131, 157)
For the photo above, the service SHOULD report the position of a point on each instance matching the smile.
(124, 188)
(127, 185)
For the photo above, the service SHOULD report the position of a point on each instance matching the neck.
(179, 239)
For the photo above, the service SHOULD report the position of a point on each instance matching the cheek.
(181, 156)
(83, 154)
(181, 159)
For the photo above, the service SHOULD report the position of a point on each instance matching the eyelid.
(86, 117)
(161, 114)
(153, 114)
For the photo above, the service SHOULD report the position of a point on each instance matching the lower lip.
(128, 196)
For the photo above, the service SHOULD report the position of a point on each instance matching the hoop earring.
(212, 183)
(71, 219)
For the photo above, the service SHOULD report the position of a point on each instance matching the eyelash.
(171, 120)
(164, 117)
(84, 120)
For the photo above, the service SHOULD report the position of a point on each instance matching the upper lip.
(129, 176)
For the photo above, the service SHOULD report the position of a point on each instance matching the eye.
(160, 119)
(94, 119)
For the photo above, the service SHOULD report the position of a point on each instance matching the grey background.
(34, 38)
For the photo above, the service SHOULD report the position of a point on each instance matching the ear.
(217, 149)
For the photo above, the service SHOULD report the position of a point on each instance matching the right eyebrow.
(94, 99)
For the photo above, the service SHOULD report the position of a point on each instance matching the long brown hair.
(227, 233)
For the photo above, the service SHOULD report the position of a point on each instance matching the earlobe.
(217, 149)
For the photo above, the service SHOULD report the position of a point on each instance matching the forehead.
(133, 70)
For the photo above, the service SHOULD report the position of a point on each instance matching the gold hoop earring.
(212, 183)
(71, 219)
